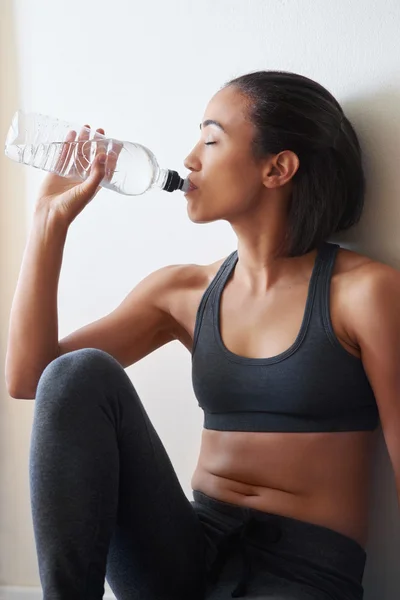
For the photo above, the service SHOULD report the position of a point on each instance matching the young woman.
(295, 347)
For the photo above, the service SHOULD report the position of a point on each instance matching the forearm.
(33, 329)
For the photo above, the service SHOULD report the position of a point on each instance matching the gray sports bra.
(315, 385)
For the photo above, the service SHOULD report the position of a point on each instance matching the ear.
(280, 169)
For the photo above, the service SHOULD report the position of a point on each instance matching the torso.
(282, 472)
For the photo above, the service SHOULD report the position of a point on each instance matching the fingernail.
(102, 159)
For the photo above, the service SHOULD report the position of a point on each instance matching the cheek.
(222, 165)
(236, 184)
(230, 183)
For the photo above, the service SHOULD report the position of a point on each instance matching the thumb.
(97, 172)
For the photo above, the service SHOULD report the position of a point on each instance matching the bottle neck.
(170, 181)
(161, 178)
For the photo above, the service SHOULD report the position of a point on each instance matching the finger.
(113, 153)
(65, 152)
(96, 146)
(89, 187)
(82, 156)
(101, 143)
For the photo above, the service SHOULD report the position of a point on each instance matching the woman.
(295, 348)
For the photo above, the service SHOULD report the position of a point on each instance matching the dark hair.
(293, 112)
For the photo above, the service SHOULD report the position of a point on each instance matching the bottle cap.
(174, 182)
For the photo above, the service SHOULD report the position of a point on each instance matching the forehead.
(229, 107)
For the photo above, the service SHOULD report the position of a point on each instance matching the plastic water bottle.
(67, 150)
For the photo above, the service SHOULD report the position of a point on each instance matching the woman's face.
(222, 165)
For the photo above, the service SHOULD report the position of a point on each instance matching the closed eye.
(209, 143)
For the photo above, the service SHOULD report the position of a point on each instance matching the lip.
(192, 186)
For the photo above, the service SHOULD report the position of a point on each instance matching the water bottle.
(67, 150)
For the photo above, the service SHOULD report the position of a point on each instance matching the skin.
(322, 478)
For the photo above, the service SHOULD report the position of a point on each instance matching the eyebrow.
(212, 122)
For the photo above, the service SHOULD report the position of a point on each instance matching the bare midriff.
(321, 478)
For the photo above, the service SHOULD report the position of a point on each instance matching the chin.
(196, 215)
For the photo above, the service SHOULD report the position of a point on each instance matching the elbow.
(19, 392)
(22, 378)
(18, 389)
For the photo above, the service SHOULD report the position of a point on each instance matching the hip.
(255, 552)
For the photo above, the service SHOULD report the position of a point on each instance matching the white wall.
(144, 71)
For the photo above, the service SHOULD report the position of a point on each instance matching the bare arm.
(134, 329)
(376, 326)
(33, 330)
(138, 326)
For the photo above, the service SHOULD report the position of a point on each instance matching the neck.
(261, 264)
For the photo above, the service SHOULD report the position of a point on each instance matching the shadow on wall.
(376, 119)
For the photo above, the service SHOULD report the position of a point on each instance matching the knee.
(76, 371)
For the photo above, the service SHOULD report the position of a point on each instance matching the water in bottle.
(67, 150)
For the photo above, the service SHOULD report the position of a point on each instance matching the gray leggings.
(106, 502)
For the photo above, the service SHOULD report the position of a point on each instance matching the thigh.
(106, 499)
(157, 548)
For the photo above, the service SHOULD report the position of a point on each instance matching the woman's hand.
(66, 197)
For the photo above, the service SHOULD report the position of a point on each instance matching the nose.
(192, 161)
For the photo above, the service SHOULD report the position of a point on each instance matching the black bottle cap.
(174, 182)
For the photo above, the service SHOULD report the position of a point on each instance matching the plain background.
(145, 70)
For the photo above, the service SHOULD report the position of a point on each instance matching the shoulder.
(370, 290)
(177, 290)
(363, 275)
(182, 277)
